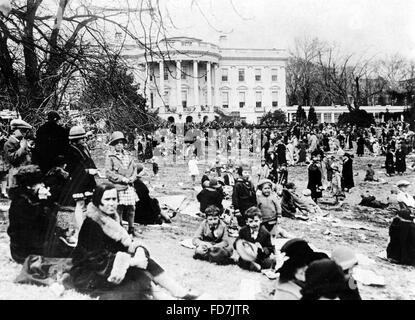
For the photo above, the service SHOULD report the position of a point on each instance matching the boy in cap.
(269, 205)
(211, 239)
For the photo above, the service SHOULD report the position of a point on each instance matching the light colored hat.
(344, 257)
(307, 192)
(19, 124)
(77, 132)
(403, 183)
(264, 181)
(116, 136)
(246, 250)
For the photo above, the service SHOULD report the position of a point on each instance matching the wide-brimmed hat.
(246, 250)
(401, 183)
(77, 132)
(307, 192)
(264, 181)
(19, 124)
(344, 257)
(117, 136)
(300, 248)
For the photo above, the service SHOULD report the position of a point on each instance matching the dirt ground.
(224, 282)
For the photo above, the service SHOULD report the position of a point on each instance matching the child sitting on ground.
(370, 173)
(312, 207)
(254, 243)
(211, 239)
(270, 207)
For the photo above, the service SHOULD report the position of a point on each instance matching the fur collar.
(110, 225)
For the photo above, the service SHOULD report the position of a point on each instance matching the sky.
(364, 27)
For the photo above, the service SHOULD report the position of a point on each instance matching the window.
(225, 99)
(258, 99)
(274, 95)
(241, 73)
(151, 77)
(166, 73)
(274, 75)
(184, 98)
(184, 72)
(241, 99)
(224, 75)
(152, 100)
(166, 98)
(257, 74)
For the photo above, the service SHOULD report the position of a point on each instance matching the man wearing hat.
(121, 170)
(51, 141)
(16, 149)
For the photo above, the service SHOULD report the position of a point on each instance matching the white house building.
(187, 79)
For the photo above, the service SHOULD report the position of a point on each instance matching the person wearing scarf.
(108, 264)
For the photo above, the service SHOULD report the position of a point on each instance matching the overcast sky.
(360, 26)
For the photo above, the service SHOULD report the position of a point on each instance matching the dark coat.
(146, 210)
(400, 163)
(16, 155)
(281, 154)
(93, 260)
(401, 246)
(360, 146)
(263, 238)
(56, 179)
(389, 163)
(347, 174)
(78, 159)
(314, 181)
(243, 196)
(31, 223)
(209, 196)
(51, 141)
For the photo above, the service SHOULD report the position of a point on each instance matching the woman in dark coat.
(347, 172)
(281, 153)
(302, 155)
(108, 264)
(389, 162)
(314, 179)
(400, 163)
(32, 217)
(401, 247)
(80, 166)
(360, 146)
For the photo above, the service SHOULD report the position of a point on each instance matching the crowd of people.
(52, 169)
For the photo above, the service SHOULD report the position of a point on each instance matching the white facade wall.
(191, 51)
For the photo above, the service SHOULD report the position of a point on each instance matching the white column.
(282, 92)
(332, 117)
(217, 85)
(322, 117)
(209, 84)
(161, 89)
(179, 86)
(147, 85)
(196, 85)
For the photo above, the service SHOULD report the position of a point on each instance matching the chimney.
(222, 40)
